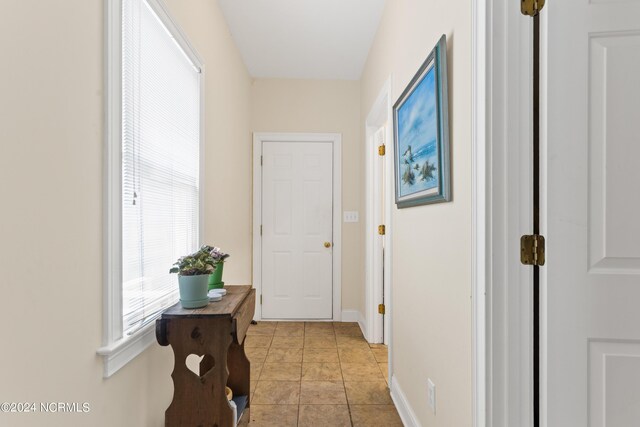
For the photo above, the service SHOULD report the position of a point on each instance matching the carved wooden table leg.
(199, 400)
(239, 377)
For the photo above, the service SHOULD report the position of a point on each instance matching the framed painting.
(421, 134)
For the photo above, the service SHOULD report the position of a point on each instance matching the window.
(153, 187)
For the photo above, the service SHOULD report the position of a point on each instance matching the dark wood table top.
(236, 294)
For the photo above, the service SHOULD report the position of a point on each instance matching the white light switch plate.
(350, 216)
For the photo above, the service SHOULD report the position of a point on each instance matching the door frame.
(480, 200)
(502, 118)
(380, 113)
(336, 140)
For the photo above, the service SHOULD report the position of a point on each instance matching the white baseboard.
(350, 315)
(363, 325)
(356, 317)
(407, 415)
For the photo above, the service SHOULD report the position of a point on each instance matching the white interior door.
(592, 282)
(297, 230)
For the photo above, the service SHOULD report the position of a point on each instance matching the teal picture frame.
(421, 134)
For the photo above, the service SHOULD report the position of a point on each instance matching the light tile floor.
(317, 374)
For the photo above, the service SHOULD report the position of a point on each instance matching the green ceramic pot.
(193, 291)
(215, 278)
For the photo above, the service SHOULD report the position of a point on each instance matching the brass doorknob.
(327, 244)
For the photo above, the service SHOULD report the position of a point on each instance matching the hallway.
(317, 374)
(133, 122)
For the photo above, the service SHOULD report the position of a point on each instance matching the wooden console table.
(216, 332)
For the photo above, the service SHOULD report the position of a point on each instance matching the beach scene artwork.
(417, 120)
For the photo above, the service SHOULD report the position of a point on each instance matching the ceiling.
(303, 39)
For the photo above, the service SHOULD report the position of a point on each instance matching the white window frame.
(118, 350)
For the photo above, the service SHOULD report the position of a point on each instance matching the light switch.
(350, 216)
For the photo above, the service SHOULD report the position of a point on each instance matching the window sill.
(116, 355)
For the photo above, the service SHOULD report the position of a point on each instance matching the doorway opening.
(379, 191)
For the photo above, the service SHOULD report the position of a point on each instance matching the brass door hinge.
(381, 230)
(381, 308)
(531, 7)
(382, 150)
(532, 249)
(260, 299)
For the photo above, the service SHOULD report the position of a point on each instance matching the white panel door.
(592, 285)
(297, 230)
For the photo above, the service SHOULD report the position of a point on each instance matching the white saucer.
(220, 291)
(213, 297)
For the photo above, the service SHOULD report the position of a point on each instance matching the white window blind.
(160, 163)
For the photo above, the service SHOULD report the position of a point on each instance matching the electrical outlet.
(351, 216)
(431, 394)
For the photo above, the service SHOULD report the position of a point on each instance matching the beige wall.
(431, 282)
(51, 125)
(331, 106)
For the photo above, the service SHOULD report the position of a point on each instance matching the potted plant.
(193, 278)
(218, 257)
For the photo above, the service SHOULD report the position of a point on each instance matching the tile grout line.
(300, 382)
(342, 375)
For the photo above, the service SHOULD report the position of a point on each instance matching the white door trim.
(379, 115)
(479, 212)
(508, 212)
(336, 140)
